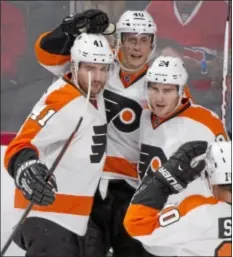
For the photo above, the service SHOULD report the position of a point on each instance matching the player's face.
(163, 98)
(99, 76)
(136, 49)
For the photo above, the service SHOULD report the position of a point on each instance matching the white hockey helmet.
(218, 160)
(168, 70)
(92, 48)
(136, 22)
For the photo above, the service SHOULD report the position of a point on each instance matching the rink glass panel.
(23, 80)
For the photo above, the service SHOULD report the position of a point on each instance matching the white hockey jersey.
(159, 139)
(125, 98)
(124, 103)
(46, 130)
(197, 226)
(124, 106)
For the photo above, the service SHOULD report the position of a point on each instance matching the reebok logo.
(172, 181)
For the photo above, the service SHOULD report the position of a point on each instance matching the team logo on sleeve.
(151, 157)
(123, 112)
(100, 142)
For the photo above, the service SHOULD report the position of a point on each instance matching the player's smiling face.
(163, 98)
(99, 76)
(136, 49)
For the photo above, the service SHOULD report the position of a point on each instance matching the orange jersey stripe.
(55, 101)
(205, 117)
(120, 166)
(142, 220)
(47, 58)
(67, 204)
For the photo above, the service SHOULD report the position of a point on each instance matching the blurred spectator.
(198, 28)
(23, 80)
(13, 43)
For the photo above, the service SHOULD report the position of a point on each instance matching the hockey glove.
(179, 170)
(91, 21)
(172, 177)
(30, 178)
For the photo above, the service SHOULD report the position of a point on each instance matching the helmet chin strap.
(74, 79)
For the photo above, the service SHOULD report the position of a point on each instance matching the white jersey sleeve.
(198, 226)
(45, 131)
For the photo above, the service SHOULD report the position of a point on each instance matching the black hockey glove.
(30, 178)
(179, 170)
(172, 177)
(93, 21)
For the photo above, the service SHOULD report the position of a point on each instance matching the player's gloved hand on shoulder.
(30, 178)
(172, 177)
(181, 168)
(90, 21)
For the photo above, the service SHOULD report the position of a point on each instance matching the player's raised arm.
(52, 48)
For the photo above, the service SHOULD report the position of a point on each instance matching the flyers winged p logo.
(150, 157)
(123, 112)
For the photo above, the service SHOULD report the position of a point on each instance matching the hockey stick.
(225, 64)
(52, 169)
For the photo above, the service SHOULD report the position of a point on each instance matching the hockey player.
(197, 225)
(125, 97)
(58, 221)
(172, 119)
